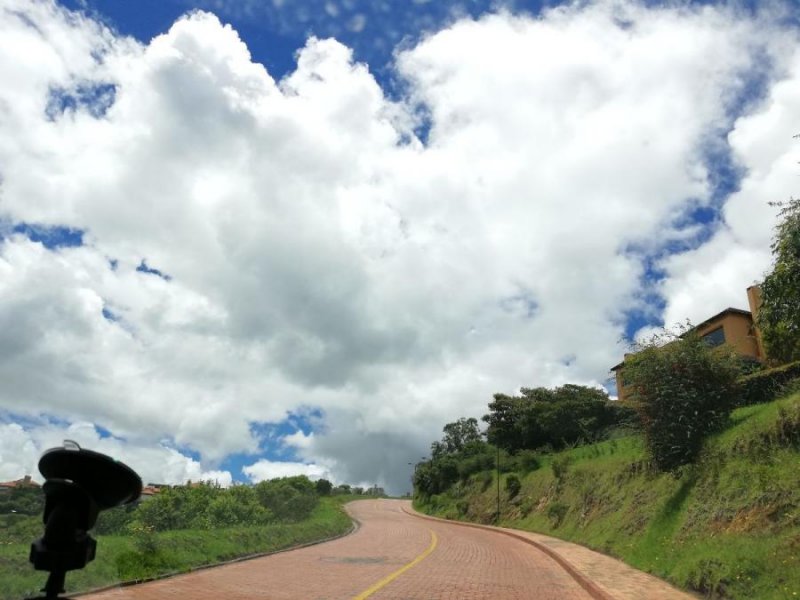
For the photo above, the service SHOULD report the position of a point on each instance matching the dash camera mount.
(78, 485)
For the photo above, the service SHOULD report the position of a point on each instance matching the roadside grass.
(726, 527)
(146, 555)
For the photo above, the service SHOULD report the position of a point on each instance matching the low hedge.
(764, 386)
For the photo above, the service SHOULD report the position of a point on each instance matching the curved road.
(393, 555)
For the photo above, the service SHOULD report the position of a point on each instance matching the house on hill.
(25, 482)
(733, 326)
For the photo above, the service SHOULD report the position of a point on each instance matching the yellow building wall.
(739, 333)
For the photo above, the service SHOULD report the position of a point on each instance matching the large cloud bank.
(388, 263)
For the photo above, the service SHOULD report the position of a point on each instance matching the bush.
(560, 466)
(288, 498)
(474, 464)
(324, 487)
(435, 476)
(765, 386)
(18, 528)
(237, 506)
(513, 486)
(23, 501)
(556, 513)
(115, 521)
(485, 480)
(557, 417)
(527, 461)
(683, 391)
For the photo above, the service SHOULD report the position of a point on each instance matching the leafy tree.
(116, 520)
(542, 417)
(324, 487)
(779, 316)
(22, 500)
(238, 505)
(288, 498)
(436, 475)
(504, 420)
(457, 436)
(683, 390)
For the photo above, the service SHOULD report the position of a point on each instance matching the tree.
(504, 418)
(457, 436)
(288, 498)
(683, 391)
(779, 315)
(555, 417)
(324, 487)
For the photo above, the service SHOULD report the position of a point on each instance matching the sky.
(242, 240)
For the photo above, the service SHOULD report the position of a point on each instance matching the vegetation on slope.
(183, 529)
(727, 525)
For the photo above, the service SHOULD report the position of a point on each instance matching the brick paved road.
(466, 564)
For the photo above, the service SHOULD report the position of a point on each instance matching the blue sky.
(213, 275)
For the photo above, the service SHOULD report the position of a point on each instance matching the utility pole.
(497, 514)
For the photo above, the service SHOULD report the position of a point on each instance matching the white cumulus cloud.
(318, 252)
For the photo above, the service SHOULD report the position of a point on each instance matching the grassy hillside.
(728, 526)
(144, 555)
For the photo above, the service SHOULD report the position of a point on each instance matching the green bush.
(560, 466)
(289, 498)
(765, 386)
(115, 521)
(556, 512)
(324, 487)
(556, 418)
(513, 485)
(485, 480)
(23, 501)
(683, 390)
(18, 528)
(476, 463)
(526, 461)
(238, 506)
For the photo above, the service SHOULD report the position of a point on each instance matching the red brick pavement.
(467, 564)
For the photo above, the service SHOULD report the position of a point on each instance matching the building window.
(715, 338)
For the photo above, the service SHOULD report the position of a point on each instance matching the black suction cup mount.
(79, 484)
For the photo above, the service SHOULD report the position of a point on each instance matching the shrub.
(145, 539)
(288, 498)
(557, 417)
(527, 461)
(474, 464)
(115, 521)
(683, 390)
(556, 513)
(237, 506)
(463, 507)
(435, 476)
(513, 485)
(324, 487)
(560, 466)
(765, 386)
(485, 479)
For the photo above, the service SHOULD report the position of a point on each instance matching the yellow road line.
(388, 579)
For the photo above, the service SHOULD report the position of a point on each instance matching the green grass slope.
(727, 527)
(143, 555)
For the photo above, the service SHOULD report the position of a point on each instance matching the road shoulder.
(603, 577)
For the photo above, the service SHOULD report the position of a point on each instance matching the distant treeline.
(199, 506)
(520, 427)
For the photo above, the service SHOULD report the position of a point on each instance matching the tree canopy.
(779, 316)
(541, 417)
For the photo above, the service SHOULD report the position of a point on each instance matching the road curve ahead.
(393, 555)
